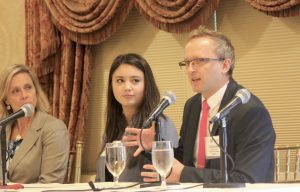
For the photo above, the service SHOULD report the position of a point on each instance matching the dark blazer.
(250, 135)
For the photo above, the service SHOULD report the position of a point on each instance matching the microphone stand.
(3, 154)
(223, 162)
(148, 154)
(15, 186)
(157, 130)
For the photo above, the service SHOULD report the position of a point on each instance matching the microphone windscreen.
(244, 95)
(170, 96)
(28, 109)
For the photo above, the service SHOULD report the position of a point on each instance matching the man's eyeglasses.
(198, 62)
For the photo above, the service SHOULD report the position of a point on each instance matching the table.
(135, 187)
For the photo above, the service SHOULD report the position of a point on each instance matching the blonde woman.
(38, 146)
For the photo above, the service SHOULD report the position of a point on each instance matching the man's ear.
(226, 65)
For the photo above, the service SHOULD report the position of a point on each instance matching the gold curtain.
(71, 90)
(177, 16)
(63, 67)
(278, 8)
(59, 35)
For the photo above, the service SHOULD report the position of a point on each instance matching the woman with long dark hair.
(131, 96)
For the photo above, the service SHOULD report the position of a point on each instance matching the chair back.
(78, 161)
(74, 165)
(287, 160)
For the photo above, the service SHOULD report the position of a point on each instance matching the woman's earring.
(8, 107)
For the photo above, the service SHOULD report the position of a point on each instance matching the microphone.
(241, 96)
(25, 111)
(167, 100)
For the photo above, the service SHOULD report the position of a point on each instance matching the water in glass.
(115, 159)
(162, 158)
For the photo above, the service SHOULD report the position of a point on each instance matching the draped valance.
(93, 21)
(90, 21)
(278, 8)
(176, 16)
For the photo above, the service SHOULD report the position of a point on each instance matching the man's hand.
(150, 175)
(132, 138)
(176, 171)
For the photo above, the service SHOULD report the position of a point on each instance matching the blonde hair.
(224, 48)
(5, 81)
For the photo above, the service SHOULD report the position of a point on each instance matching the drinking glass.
(162, 159)
(115, 159)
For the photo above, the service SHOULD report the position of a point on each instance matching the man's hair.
(224, 48)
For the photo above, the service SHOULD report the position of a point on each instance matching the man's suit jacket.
(250, 136)
(43, 155)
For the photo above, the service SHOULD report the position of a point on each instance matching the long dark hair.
(115, 119)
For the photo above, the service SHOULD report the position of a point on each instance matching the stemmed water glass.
(115, 159)
(162, 159)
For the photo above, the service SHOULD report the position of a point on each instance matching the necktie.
(203, 128)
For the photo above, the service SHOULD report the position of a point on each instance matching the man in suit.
(209, 62)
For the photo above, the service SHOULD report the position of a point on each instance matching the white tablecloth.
(179, 187)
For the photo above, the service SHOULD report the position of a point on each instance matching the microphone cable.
(222, 149)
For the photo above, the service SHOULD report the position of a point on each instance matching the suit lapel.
(195, 119)
(230, 92)
(32, 135)
(192, 129)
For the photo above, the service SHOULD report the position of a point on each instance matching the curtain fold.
(88, 22)
(176, 16)
(72, 90)
(277, 8)
(42, 38)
